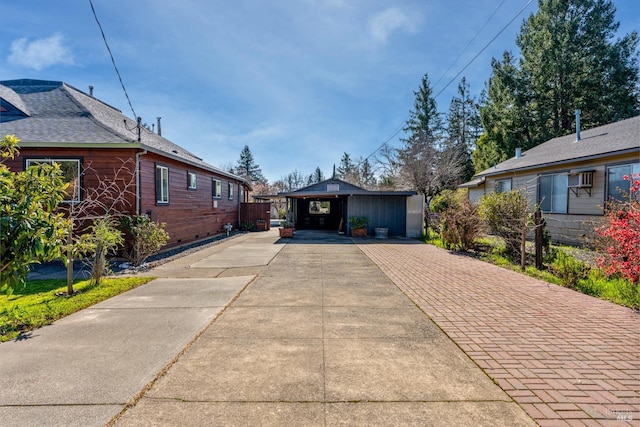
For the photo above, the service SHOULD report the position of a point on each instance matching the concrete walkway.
(322, 337)
(83, 369)
(320, 331)
(568, 359)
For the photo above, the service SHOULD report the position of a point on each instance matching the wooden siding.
(96, 166)
(191, 214)
(383, 211)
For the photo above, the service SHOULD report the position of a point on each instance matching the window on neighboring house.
(162, 185)
(231, 191)
(70, 171)
(503, 185)
(191, 180)
(553, 192)
(216, 185)
(617, 187)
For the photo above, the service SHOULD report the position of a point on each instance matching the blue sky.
(298, 81)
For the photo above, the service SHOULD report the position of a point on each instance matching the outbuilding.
(329, 204)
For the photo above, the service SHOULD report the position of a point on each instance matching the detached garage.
(328, 205)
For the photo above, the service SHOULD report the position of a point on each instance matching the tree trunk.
(70, 290)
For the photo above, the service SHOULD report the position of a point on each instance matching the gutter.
(561, 162)
(24, 144)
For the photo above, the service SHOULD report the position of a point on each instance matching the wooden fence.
(256, 216)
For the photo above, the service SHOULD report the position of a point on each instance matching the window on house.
(70, 171)
(617, 187)
(216, 185)
(503, 185)
(231, 191)
(191, 180)
(162, 185)
(553, 193)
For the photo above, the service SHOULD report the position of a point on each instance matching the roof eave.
(198, 165)
(27, 144)
(561, 162)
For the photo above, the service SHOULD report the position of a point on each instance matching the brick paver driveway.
(566, 358)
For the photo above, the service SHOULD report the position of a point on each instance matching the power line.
(461, 71)
(469, 44)
(112, 60)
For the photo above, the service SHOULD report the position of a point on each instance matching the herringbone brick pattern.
(568, 359)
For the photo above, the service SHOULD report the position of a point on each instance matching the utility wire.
(112, 60)
(469, 44)
(457, 75)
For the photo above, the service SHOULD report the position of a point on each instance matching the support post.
(539, 230)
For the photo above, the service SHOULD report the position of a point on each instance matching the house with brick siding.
(91, 140)
(570, 177)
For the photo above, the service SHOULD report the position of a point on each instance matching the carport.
(327, 205)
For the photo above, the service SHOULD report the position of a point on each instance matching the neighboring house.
(56, 122)
(570, 177)
(328, 205)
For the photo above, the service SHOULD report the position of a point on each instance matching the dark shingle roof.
(338, 187)
(59, 113)
(618, 137)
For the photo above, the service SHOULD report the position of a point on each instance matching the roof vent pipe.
(90, 90)
(159, 130)
(518, 152)
(577, 125)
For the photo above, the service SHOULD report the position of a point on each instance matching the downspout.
(138, 154)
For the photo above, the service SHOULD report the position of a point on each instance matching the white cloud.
(383, 24)
(41, 53)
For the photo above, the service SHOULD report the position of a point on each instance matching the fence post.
(539, 228)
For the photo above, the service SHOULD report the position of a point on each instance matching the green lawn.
(37, 304)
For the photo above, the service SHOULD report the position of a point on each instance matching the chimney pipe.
(577, 125)
(90, 90)
(518, 152)
(159, 130)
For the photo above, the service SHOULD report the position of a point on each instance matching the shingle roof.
(338, 187)
(59, 113)
(619, 137)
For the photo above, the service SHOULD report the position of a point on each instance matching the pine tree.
(569, 60)
(463, 127)
(247, 167)
(422, 164)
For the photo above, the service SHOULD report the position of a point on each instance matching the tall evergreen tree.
(463, 127)
(248, 168)
(366, 175)
(425, 164)
(316, 177)
(569, 60)
(347, 170)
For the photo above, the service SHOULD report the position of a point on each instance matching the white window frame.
(192, 180)
(503, 185)
(216, 190)
(231, 190)
(162, 194)
(551, 199)
(74, 196)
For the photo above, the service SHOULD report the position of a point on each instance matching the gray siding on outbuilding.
(387, 211)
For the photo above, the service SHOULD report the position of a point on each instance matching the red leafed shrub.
(621, 235)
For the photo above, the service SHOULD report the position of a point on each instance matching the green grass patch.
(41, 302)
